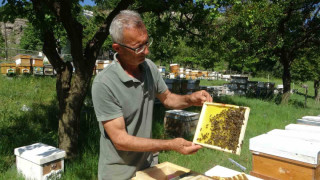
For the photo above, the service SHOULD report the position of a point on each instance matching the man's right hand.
(184, 147)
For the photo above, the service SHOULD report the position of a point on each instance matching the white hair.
(125, 19)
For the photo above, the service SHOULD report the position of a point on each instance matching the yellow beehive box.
(23, 70)
(37, 62)
(222, 127)
(7, 68)
(23, 60)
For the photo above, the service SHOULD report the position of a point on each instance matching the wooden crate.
(48, 70)
(167, 170)
(178, 123)
(40, 161)
(214, 110)
(286, 154)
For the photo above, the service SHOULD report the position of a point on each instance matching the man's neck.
(131, 70)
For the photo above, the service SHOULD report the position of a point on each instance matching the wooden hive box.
(222, 127)
(286, 154)
(37, 62)
(37, 70)
(178, 123)
(101, 64)
(7, 68)
(23, 70)
(167, 170)
(23, 60)
(40, 161)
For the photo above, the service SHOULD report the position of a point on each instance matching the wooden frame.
(214, 109)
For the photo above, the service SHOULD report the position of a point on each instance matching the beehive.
(37, 62)
(24, 70)
(48, 70)
(309, 120)
(8, 68)
(40, 161)
(222, 127)
(292, 153)
(23, 60)
(174, 68)
(178, 123)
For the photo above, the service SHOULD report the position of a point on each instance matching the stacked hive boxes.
(24, 63)
(37, 66)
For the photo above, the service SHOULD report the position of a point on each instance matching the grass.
(40, 124)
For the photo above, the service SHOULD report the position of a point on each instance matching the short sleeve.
(106, 106)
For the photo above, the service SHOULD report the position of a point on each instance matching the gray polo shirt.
(115, 94)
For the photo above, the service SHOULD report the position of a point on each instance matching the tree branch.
(94, 45)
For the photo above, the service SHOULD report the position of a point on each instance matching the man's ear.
(116, 47)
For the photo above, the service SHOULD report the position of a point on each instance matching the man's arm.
(175, 101)
(123, 141)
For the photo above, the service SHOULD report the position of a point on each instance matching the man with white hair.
(123, 95)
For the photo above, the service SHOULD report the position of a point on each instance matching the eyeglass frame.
(148, 44)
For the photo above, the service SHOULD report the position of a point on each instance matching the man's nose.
(146, 50)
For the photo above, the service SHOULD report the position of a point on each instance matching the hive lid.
(182, 115)
(39, 153)
(298, 149)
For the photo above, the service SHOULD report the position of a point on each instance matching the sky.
(87, 2)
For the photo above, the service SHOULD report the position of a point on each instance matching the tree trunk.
(316, 90)
(286, 79)
(70, 104)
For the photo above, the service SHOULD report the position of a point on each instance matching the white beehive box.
(40, 161)
(293, 153)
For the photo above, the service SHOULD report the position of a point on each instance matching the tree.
(2, 45)
(50, 15)
(31, 39)
(274, 30)
(308, 68)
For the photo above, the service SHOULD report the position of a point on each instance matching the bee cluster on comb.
(223, 129)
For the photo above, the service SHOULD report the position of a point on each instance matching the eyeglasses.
(141, 48)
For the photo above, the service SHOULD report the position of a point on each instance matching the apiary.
(222, 127)
(40, 161)
(179, 122)
(8, 68)
(292, 153)
(168, 171)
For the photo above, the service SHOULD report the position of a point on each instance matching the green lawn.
(40, 124)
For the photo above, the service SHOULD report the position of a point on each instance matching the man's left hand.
(200, 97)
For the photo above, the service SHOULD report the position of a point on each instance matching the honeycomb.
(223, 129)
